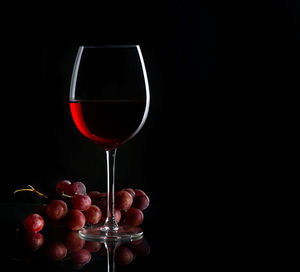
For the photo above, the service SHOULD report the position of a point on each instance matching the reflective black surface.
(57, 249)
(62, 250)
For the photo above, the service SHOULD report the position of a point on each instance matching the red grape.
(76, 188)
(141, 200)
(57, 209)
(75, 220)
(62, 186)
(93, 246)
(33, 223)
(140, 247)
(123, 200)
(81, 202)
(122, 216)
(34, 240)
(73, 241)
(56, 251)
(118, 215)
(134, 217)
(124, 255)
(83, 256)
(93, 214)
(94, 195)
(130, 191)
(139, 192)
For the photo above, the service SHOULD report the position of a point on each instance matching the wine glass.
(109, 102)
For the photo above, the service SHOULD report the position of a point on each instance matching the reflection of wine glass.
(109, 101)
(124, 253)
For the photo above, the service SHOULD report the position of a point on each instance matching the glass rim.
(110, 46)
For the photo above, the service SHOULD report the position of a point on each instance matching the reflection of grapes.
(93, 246)
(34, 240)
(140, 247)
(124, 255)
(73, 241)
(56, 251)
(68, 248)
(82, 256)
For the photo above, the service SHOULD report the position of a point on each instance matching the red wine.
(108, 122)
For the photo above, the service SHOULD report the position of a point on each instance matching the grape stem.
(65, 195)
(31, 190)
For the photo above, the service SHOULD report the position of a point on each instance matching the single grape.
(57, 209)
(76, 188)
(75, 219)
(93, 246)
(140, 247)
(34, 240)
(62, 186)
(56, 251)
(94, 195)
(33, 222)
(130, 191)
(123, 200)
(141, 200)
(93, 214)
(81, 202)
(73, 241)
(134, 217)
(83, 256)
(139, 192)
(124, 255)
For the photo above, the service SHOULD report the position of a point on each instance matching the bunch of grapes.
(74, 207)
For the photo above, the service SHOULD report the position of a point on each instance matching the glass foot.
(100, 234)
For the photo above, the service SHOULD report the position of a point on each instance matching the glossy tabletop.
(57, 249)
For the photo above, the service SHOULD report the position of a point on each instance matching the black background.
(209, 67)
(181, 44)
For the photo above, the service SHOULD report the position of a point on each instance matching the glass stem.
(110, 223)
